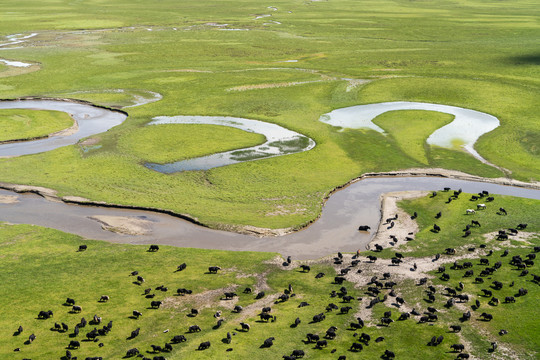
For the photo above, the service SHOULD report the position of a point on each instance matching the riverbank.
(51, 194)
(334, 230)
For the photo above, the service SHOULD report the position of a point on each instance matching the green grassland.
(411, 128)
(41, 267)
(29, 124)
(168, 143)
(516, 318)
(475, 54)
(454, 219)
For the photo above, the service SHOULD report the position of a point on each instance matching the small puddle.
(467, 126)
(279, 141)
(14, 63)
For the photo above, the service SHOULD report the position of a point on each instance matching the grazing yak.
(204, 345)
(486, 316)
(194, 328)
(153, 248)
(45, 314)
(70, 302)
(183, 291)
(311, 338)
(135, 333)
(268, 342)
(178, 339)
(455, 328)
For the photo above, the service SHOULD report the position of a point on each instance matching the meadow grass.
(168, 143)
(522, 329)
(42, 267)
(454, 219)
(411, 128)
(408, 51)
(18, 124)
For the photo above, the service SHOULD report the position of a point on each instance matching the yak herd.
(381, 289)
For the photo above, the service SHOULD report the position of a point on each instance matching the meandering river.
(336, 230)
(90, 120)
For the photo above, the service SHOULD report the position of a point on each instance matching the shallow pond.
(467, 126)
(14, 63)
(279, 141)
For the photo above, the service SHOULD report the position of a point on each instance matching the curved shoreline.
(69, 100)
(52, 195)
(280, 141)
(64, 132)
(89, 120)
(467, 126)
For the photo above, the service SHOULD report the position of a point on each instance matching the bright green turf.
(411, 128)
(169, 143)
(29, 124)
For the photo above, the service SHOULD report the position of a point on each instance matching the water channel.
(336, 230)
